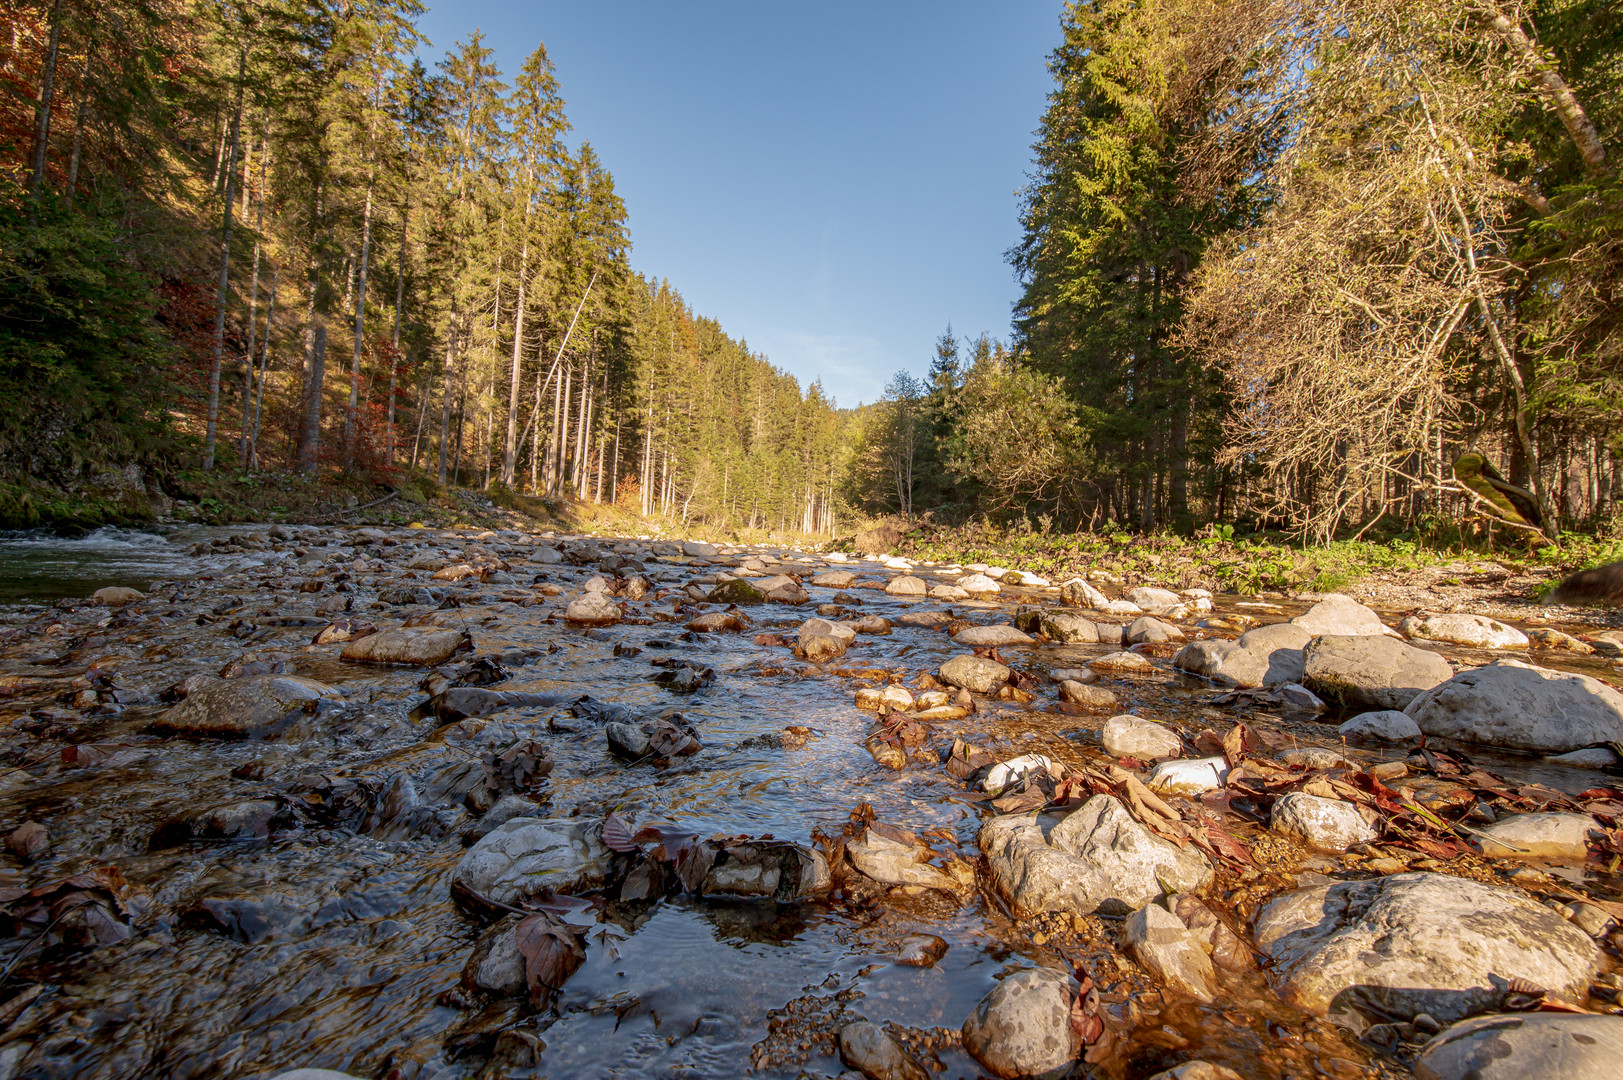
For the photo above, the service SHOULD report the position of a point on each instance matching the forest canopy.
(1279, 262)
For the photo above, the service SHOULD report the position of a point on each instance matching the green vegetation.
(1251, 564)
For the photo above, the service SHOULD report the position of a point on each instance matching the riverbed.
(333, 941)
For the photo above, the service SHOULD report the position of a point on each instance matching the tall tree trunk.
(399, 305)
(253, 315)
(445, 396)
(264, 368)
(510, 448)
(223, 294)
(351, 425)
(310, 440)
(73, 153)
(42, 117)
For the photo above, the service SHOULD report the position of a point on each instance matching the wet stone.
(1527, 1046)
(422, 646)
(1370, 671)
(1166, 949)
(1022, 1028)
(866, 1048)
(1418, 942)
(249, 706)
(974, 673)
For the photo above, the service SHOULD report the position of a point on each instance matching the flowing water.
(340, 945)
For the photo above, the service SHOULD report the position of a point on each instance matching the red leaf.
(617, 834)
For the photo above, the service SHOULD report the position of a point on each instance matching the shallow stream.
(345, 943)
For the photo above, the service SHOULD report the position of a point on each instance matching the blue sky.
(832, 182)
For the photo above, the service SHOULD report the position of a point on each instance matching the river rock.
(736, 591)
(115, 595)
(1150, 631)
(1525, 1046)
(974, 673)
(1342, 616)
(983, 636)
(1068, 628)
(1155, 601)
(1325, 824)
(713, 622)
(788, 593)
(496, 966)
(1413, 943)
(906, 585)
(593, 609)
(314, 1074)
(1192, 776)
(698, 549)
(1121, 663)
(1022, 1028)
(1135, 737)
(1266, 656)
(1198, 1070)
(834, 579)
(1373, 672)
(1545, 638)
(866, 1048)
(820, 648)
(920, 950)
(1079, 593)
(979, 585)
(423, 646)
(1007, 773)
(1387, 725)
(245, 707)
(892, 862)
(523, 858)
(1081, 694)
(1545, 836)
(1211, 933)
(948, 592)
(1516, 705)
(1592, 757)
(1476, 631)
(1165, 948)
(1097, 858)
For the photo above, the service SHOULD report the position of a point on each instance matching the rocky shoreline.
(989, 823)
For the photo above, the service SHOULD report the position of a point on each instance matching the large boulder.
(1414, 943)
(1023, 1028)
(1097, 858)
(523, 858)
(246, 707)
(983, 636)
(1266, 656)
(1365, 671)
(1521, 707)
(1068, 627)
(423, 646)
(1525, 1046)
(1342, 616)
(1477, 631)
(974, 673)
